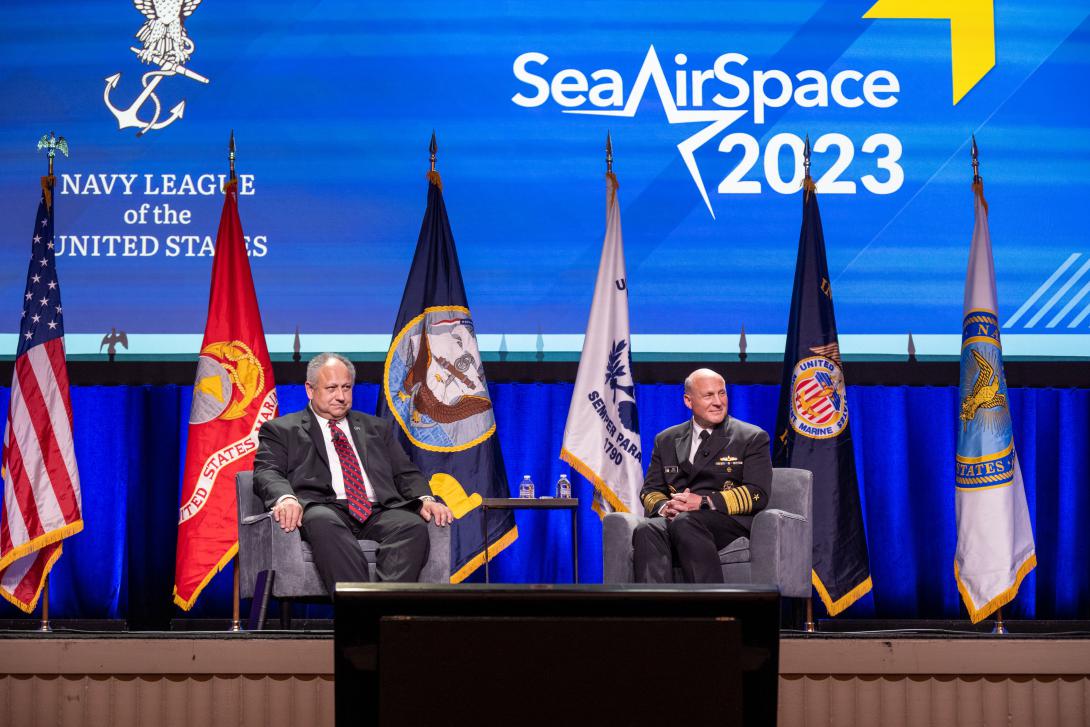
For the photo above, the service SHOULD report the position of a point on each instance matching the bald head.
(692, 378)
(706, 395)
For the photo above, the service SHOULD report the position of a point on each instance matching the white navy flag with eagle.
(995, 547)
(602, 435)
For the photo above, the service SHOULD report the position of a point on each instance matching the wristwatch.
(705, 503)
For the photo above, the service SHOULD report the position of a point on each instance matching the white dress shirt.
(335, 460)
(695, 443)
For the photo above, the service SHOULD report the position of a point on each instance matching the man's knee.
(684, 522)
(649, 531)
(318, 518)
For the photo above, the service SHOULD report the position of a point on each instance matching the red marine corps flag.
(233, 395)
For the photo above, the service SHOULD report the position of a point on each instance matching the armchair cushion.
(264, 546)
(779, 550)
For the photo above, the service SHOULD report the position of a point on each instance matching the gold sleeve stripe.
(732, 501)
(652, 499)
(739, 500)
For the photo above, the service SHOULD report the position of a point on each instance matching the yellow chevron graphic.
(972, 33)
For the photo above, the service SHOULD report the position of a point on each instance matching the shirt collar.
(324, 419)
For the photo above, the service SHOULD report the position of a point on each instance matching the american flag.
(41, 503)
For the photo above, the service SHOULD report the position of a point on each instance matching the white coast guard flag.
(995, 540)
(602, 435)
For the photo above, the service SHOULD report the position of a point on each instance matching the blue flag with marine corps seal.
(812, 429)
(435, 389)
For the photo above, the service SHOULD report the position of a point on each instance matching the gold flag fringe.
(47, 189)
(434, 178)
(978, 190)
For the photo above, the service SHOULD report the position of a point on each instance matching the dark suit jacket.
(291, 460)
(733, 467)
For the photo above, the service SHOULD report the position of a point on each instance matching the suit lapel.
(681, 447)
(312, 426)
(356, 424)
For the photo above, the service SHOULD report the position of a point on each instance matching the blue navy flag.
(434, 387)
(812, 431)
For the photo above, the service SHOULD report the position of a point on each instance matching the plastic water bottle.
(563, 487)
(526, 487)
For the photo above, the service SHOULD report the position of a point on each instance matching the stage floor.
(921, 673)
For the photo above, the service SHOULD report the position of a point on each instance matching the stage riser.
(919, 701)
(166, 701)
(94, 701)
(242, 681)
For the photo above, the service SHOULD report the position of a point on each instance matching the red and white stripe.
(810, 397)
(41, 482)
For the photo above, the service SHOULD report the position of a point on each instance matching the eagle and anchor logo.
(166, 45)
(229, 378)
(435, 384)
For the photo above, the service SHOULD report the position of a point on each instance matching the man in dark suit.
(708, 477)
(341, 476)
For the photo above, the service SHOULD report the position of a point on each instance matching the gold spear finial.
(433, 176)
(976, 163)
(609, 154)
(231, 154)
(808, 185)
(806, 157)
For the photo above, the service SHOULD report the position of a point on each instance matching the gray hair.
(701, 374)
(321, 360)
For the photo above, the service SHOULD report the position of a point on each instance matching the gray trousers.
(332, 532)
(691, 541)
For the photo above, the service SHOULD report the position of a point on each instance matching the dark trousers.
(691, 541)
(332, 532)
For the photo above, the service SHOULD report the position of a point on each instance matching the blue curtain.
(130, 444)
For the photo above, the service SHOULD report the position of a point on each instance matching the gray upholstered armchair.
(779, 550)
(264, 546)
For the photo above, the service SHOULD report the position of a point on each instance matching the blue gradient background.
(333, 103)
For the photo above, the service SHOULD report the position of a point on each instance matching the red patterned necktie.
(358, 504)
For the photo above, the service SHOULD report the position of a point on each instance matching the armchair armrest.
(781, 551)
(264, 545)
(617, 531)
(437, 567)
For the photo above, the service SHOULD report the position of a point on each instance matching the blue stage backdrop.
(709, 104)
(130, 443)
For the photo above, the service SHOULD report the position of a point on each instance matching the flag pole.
(808, 187)
(609, 154)
(51, 145)
(1000, 629)
(236, 621)
(976, 163)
